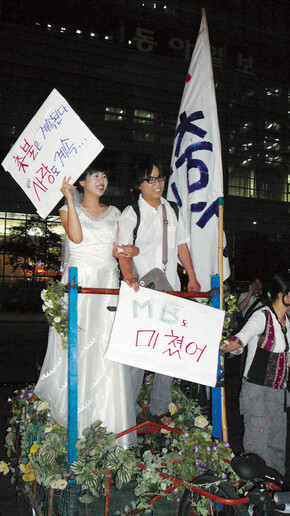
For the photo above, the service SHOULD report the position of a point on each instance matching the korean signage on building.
(149, 40)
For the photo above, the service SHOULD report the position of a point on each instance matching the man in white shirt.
(150, 182)
(247, 299)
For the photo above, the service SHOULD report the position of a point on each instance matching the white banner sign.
(56, 143)
(166, 334)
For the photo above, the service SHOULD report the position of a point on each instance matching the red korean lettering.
(146, 338)
(39, 185)
(193, 348)
(20, 163)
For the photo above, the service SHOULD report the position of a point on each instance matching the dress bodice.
(99, 235)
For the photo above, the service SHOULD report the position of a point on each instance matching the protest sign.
(56, 143)
(166, 334)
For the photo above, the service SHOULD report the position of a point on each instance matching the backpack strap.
(136, 208)
(175, 208)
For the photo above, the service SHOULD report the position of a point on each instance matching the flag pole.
(220, 269)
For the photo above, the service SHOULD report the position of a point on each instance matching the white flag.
(196, 180)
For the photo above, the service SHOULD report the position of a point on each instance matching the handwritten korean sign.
(56, 143)
(166, 334)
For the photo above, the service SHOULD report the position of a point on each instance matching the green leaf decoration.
(96, 424)
(123, 476)
(179, 455)
(55, 308)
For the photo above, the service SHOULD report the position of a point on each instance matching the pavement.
(22, 346)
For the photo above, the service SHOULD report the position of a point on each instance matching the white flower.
(48, 428)
(42, 295)
(60, 483)
(48, 303)
(172, 408)
(43, 405)
(44, 308)
(201, 422)
(56, 319)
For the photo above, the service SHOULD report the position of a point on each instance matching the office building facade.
(122, 66)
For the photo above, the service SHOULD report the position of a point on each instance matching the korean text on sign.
(170, 335)
(56, 143)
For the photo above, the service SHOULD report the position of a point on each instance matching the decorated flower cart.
(63, 475)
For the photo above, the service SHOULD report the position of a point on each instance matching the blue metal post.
(216, 391)
(72, 364)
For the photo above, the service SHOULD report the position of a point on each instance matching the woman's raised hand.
(67, 189)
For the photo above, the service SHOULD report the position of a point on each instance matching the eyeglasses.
(151, 180)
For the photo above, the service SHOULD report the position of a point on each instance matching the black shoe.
(145, 415)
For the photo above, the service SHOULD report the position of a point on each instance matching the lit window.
(247, 146)
(273, 159)
(114, 114)
(272, 144)
(273, 92)
(143, 117)
(242, 182)
(246, 162)
(272, 126)
(246, 127)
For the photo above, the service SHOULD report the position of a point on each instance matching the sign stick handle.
(72, 364)
(221, 275)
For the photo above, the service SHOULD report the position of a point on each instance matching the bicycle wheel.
(189, 502)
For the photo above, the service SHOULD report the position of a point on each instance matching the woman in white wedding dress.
(104, 387)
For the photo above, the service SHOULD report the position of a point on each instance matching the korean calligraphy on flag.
(196, 180)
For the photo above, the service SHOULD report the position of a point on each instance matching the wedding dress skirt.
(104, 387)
